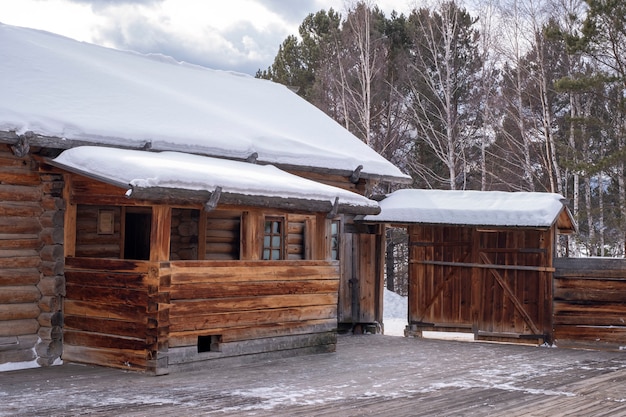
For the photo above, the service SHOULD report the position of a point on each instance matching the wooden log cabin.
(156, 215)
(480, 262)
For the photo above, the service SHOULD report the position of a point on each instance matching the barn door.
(494, 283)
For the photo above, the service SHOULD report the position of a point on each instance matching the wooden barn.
(480, 262)
(156, 215)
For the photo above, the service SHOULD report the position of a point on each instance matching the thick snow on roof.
(181, 171)
(476, 208)
(55, 86)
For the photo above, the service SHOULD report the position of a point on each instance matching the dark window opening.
(209, 343)
(137, 235)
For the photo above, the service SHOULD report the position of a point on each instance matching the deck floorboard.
(369, 375)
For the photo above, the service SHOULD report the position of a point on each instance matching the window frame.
(281, 247)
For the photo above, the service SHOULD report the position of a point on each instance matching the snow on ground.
(395, 313)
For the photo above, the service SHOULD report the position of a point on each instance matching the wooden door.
(494, 283)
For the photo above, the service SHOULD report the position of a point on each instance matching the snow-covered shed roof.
(161, 175)
(56, 87)
(475, 208)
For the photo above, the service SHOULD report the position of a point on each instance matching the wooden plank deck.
(370, 375)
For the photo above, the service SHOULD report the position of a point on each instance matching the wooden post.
(160, 233)
(69, 239)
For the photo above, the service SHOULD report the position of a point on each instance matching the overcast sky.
(237, 35)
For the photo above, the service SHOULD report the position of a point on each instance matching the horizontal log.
(52, 268)
(596, 315)
(591, 334)
(50, 303)
(131, 280)
(104, 295)
(115, 358)
(124, 328)
(209, 271)
(210, 322)
(22, 354)
(303, 344)
(20, 209)
(98, 250)
(588, 266)
(19, 242)
(19, 311)
(50, 333)
(8, 161)
(215, 248)
(17, 294)
(19, 276)
(51, 235)
(218, 290)
(190, 338)
(609, 290)
(273, 344)
(50, 319)
(117, 265)
(18, 327)
(214, 306)
(52, 286)
(52, 218)
(51, 253)
(106, 341)
(19, 193)
(95, 309)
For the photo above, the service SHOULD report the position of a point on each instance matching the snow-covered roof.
(58, 87)
(200, 176)
(475, 208)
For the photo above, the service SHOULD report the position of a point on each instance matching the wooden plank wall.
(116, 314)
(31, 262)
(590, 303)
(452, 287)
(225, 309)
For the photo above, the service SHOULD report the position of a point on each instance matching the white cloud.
(240, 35)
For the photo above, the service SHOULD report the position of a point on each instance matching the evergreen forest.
(510, 95)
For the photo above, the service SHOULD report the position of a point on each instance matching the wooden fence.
(590, 303)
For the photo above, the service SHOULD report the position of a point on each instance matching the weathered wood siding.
(494, 283)
(31, 262)
(116, 313)
(590, 303)
(225, 309)
(89, 243)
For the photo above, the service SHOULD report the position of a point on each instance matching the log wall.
(590, 303)
(226, 309)
(116, 313)
(31, 262)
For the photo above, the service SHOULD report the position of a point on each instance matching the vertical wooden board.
(367, 278)
(160, 233)
(69, 227)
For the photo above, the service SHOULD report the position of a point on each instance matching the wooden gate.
(495, 283)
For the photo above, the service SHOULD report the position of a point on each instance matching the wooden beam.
(160, 233)
(509, 292)
(213, 200)
(487, 266)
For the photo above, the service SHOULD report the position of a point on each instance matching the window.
(273, 238)
(334, 240)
